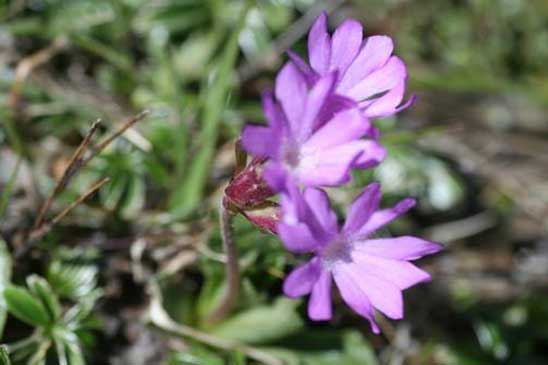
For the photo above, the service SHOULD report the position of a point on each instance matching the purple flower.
(312, 135)
(370, 273)
(366, 70)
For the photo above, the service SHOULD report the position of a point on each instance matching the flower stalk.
(232, 268)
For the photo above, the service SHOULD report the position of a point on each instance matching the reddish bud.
(265, 217)
(248, 189)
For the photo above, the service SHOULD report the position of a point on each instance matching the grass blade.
(190, 194)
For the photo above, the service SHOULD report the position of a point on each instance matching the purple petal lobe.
(297, 237)
(276, 176)
(291, 91)
(301, 280)
(319, 305)
(387, 104)
(362, 208)
(329, 167)
(315, 100)
(383, 79)
(385, 216)
(403, 274)
(260, 141)
(301, 64)
(372, 153)
(335, 104)
(373, 55)
(346, 126)
(319, 202)
(319, 45)
(354, 296)
(383, 294)
(400, 248)
(273, 113)
(345, 44)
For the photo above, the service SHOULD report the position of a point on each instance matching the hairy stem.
(232, 269)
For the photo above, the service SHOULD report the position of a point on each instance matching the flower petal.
(299, 229)
(319, 304)
(374, 54)
(383, 79)
(297, 237)
(387, 104)
(319, 45)
(331, 167)
(385, 216)
(372, 154)
(291, 91)
(274, 115)
(334, 105)
(309, 74)
(315, 101)
(400, 248)
(403, 274)
(319, 202)
(362, 208)
(382, 293)
(346, 126)
(345, 44)
(301, 280)
(260, 141)
(354, 297)
(276, 176)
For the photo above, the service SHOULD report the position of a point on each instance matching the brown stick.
(76, 162)
(128, 124)
(45, 228)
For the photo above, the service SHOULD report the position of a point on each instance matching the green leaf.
(4, 355)
(5, 275)
(190, 194)
(262, 324)
(8, 189)
(356, 347)
(134, 198)
(110, 54)
(326, 347)
(23, 305)
(68, 348)
(41, 289)
(72, 280)
(74, 353)
(196, 355)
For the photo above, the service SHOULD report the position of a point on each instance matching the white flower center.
(292, 156)
(336, 251)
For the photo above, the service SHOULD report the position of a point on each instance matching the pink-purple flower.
(370, 273)
(318, 129)
(367, 72)
(312, 135)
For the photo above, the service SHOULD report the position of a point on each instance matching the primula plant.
(319, 129)
(253, 182)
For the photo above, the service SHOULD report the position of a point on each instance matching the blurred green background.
(129, 276)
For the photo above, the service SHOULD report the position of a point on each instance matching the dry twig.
(45, 228)
(76, 163)
(128, 124)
